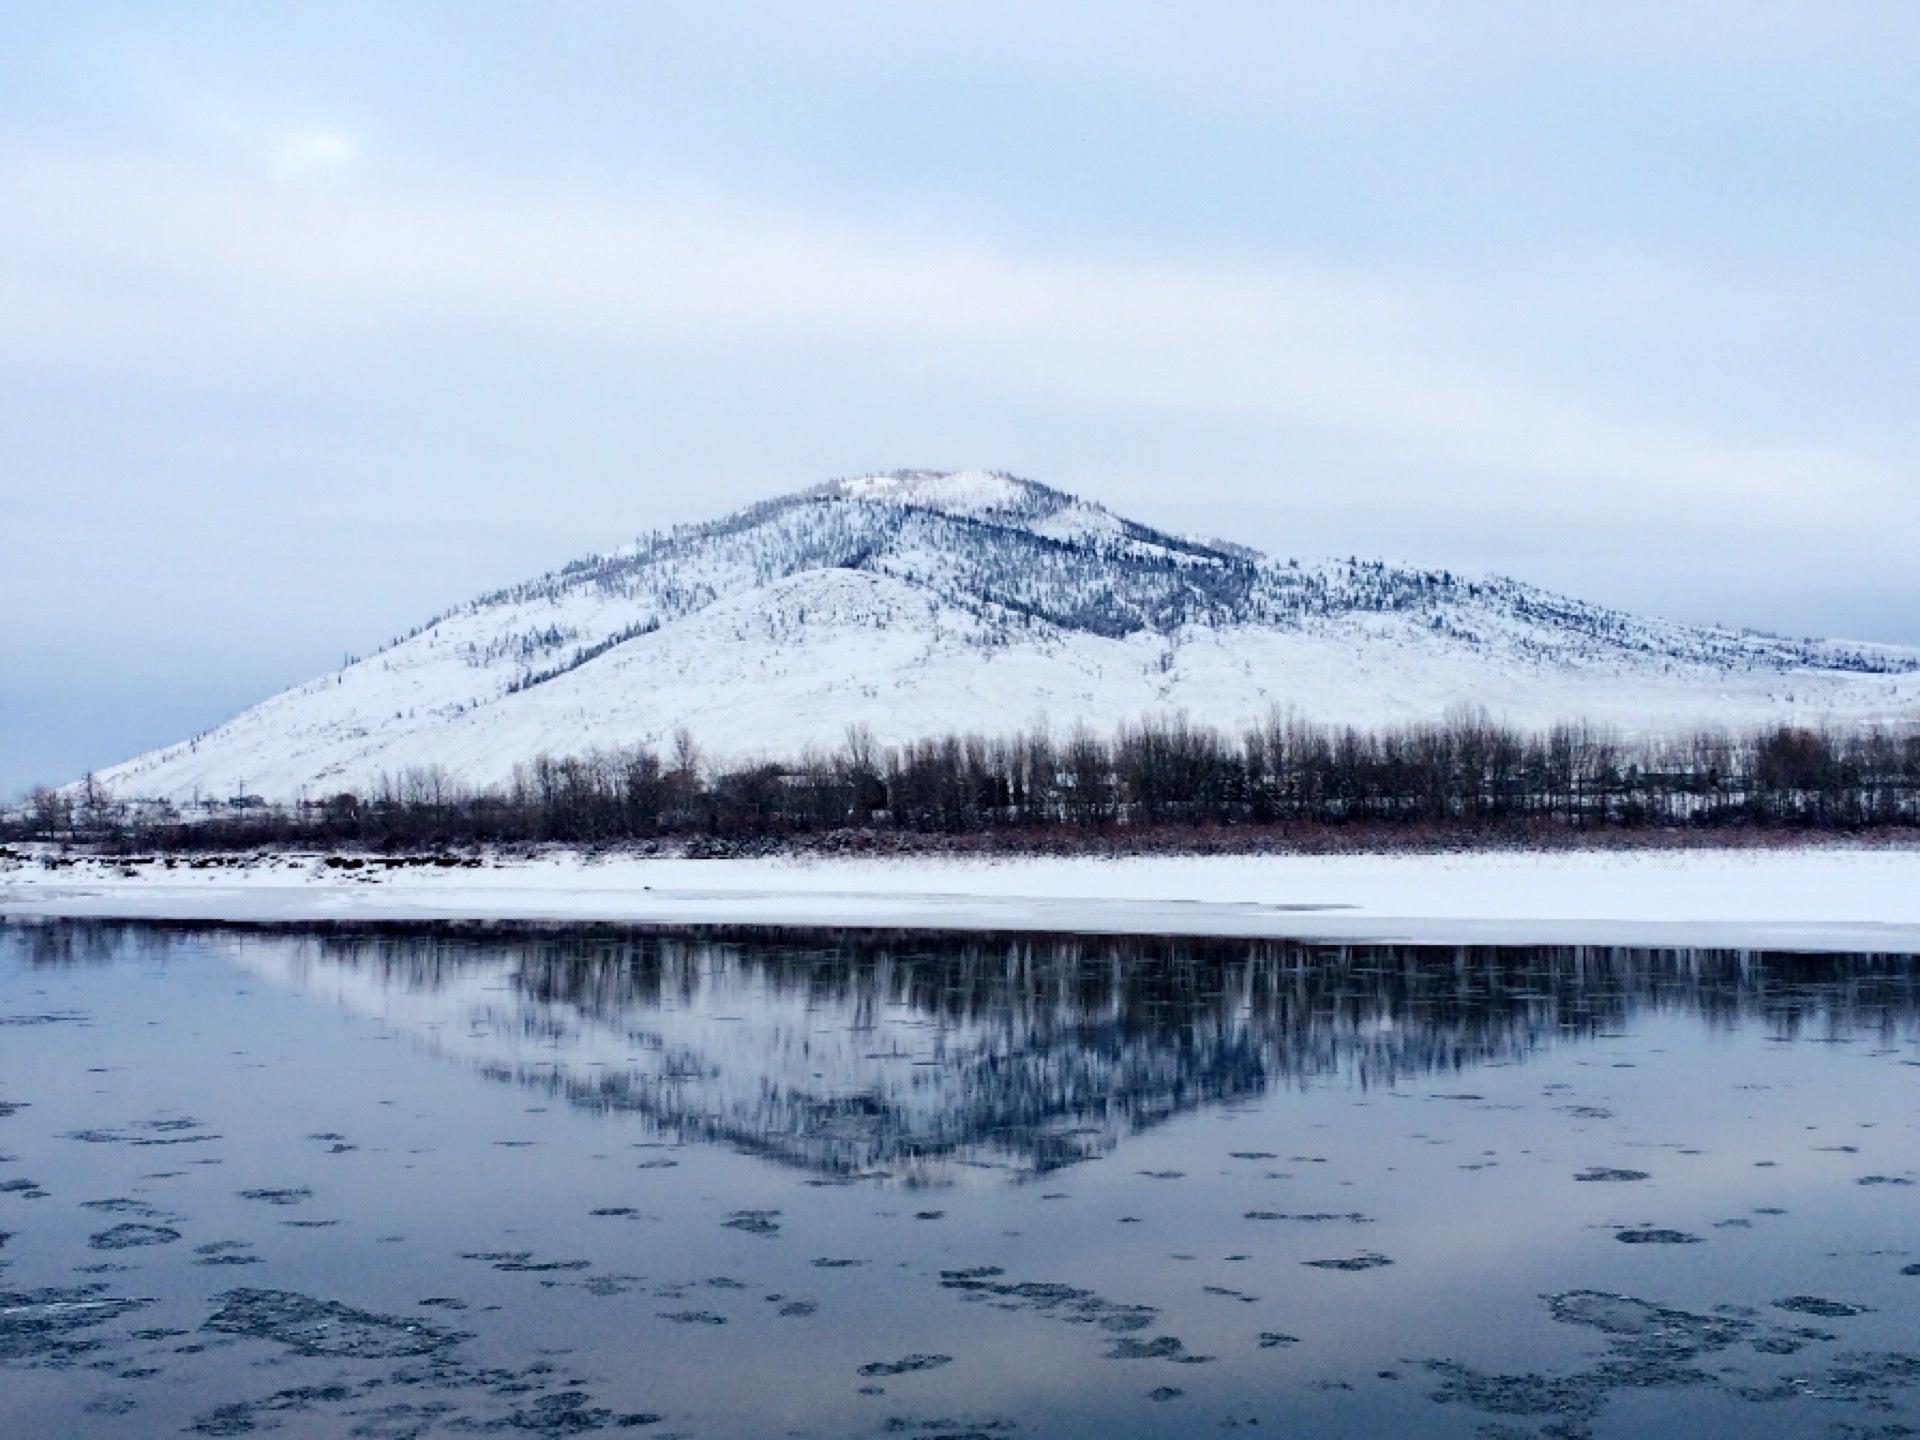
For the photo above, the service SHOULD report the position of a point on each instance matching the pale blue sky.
(317, 318)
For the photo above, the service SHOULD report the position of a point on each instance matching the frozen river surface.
(439, 1182)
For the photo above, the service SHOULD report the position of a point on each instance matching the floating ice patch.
(1366, 1261)
(1065, 1302)
(45, 1326)
(294, 1196)
(1814, 1305)
(308, 1326)
(131, 1236)
(906, 1365)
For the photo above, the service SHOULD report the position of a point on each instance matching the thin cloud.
(1285, 340)
(315, 151)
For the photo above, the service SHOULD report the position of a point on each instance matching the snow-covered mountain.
(923, 602)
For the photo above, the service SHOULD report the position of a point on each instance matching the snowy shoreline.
(1816, 899)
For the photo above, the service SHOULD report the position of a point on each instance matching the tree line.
(1160, 777)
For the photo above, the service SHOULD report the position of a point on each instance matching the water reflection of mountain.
(853, 1053)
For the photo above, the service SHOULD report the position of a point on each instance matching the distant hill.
(924, 602)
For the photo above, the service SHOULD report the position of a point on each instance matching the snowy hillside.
(921, 603)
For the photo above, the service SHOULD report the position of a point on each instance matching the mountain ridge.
(921, 602)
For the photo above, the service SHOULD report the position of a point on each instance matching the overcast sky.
(317, 318)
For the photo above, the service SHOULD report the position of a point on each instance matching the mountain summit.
(922, 602)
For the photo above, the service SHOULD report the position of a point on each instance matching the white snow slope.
(921, 603)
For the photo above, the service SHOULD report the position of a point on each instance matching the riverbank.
(1826, 898)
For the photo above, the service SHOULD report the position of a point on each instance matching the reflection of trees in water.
(55, 943)
(1042, 1051)
(848, 1052)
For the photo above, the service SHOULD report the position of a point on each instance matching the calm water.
(918, 1186)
